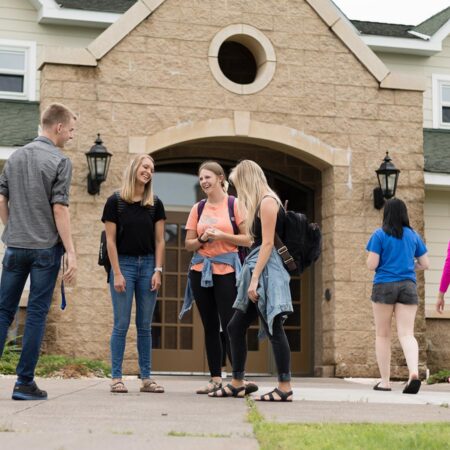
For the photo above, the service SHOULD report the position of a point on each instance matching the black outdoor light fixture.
(98, 159)
(387, 175)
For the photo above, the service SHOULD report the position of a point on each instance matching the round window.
(242, 59)
(237, 62)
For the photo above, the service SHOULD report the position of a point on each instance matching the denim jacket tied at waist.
(273, 288)
(230, 259)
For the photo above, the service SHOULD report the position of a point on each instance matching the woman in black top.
(134, 224)
(263, 289)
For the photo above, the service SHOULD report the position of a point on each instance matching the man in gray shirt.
(34, 201)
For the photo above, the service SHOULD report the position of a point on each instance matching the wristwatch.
(199, 239)
(158, 269)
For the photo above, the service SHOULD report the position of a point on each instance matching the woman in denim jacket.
(134, 225)
(263, 288)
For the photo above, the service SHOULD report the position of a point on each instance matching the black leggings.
(215, 305)
(237, 331)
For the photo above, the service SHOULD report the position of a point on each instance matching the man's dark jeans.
(43, 266)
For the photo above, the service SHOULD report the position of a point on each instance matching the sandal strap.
(232, 391)
(283, 396)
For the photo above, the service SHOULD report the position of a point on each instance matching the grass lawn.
(365, 436)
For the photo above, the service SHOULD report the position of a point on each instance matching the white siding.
(437, 235)
(421, 66)
(18, 21)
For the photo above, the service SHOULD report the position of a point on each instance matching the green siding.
(19, 121)
(436, 147)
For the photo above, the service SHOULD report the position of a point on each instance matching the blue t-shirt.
(396, 255)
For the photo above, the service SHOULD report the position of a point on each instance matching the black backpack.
(103, 259)
(301, 243)
(242, 251)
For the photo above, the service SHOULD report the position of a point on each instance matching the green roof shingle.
(434, 23)
(436, 147)
(384, 29)
(19, 122)
(113, 6)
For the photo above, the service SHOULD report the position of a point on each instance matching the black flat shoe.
(412, 387)
(377, 387)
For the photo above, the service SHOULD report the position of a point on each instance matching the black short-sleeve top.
(135, 225)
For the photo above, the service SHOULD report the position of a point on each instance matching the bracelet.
(158, 269)
(199, 239)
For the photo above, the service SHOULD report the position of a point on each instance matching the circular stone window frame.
(258, 44)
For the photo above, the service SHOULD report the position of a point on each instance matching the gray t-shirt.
(35, 177)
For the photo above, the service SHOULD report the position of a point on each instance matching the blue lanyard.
(63, 293)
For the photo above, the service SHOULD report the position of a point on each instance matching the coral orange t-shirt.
(214, 216)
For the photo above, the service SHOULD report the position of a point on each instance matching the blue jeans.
(43, 266)
(138, 272)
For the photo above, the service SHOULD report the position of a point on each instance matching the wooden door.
(178, 346)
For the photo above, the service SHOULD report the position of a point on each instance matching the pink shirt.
(445, 280)
(215, 216)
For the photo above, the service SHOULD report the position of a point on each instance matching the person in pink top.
(212, 273)
(445, 281)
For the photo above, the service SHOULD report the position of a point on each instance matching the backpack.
(301, 244)
(242, 251)
(103, 259)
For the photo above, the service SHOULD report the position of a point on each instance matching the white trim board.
(50, 12)
(427, 45)
(6, 152)
(435, 180)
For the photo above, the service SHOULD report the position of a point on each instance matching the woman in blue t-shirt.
(395, 252)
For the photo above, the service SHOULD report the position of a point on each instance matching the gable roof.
(424, 30)
(434, 23)
(436, 147)
(114, 6)
(325, 9)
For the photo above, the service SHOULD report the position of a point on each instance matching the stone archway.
(241, 127)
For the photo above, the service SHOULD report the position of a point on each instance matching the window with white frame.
(441, 101)
(17, 69)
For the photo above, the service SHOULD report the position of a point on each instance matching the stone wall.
(158, 77)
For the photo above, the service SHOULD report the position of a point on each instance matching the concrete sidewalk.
(82, 414)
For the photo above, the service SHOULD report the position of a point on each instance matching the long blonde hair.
(127, 190)
(216, 169)
(251, 186)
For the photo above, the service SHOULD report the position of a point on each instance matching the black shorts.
(404, 292)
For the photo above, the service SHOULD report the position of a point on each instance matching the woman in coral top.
(214, 266)
(445, 281)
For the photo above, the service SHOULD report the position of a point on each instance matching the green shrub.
(442, 376)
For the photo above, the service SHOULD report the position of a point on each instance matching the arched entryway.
(178, 345)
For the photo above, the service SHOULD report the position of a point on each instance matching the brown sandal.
(210, 387)
(118, 388)
(149, 385)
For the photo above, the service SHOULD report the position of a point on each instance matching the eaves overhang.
(426, 46)
(49, 12)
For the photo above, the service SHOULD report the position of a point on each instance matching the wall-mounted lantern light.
(98, 159)
(387, 175)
